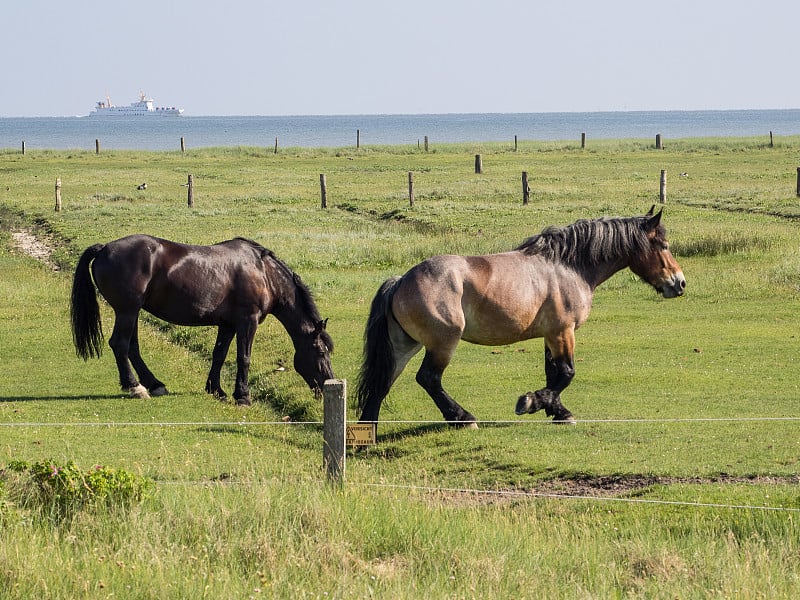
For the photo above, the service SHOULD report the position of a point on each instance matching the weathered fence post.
(798, 182)
(58, 194)
(23, 147)
(323, 188)
(526, 190)
(426, 143)
(97, 146)
(190, 197)
(659, 146)
(662, 189)
(478, 164)
(770, 140)
(583, 141)
(276, 144)
(515, 143)
(410, 188)
(358, 139)
(183, 145)
(334, 399)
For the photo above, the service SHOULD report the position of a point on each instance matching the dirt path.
(25, 241)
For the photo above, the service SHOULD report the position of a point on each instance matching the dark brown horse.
(233, 285)
(543, 288)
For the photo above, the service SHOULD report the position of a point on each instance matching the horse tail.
(377, 368)
(87, 329)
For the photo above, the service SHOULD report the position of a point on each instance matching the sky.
(336, 57)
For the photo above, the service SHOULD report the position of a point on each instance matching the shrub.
(54, 491)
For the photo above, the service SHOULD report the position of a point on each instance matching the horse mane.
(590, 242)
(304, 295)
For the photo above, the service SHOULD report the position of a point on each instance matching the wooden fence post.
(478, 164)
(770, 140)
(798, 182)
(23, 147)
(358, 139)
(58, 194)
(183, 145)
(97, 146)
(411, 188)
(662, 189)
(426, 143)
(276, 144)
(515, 143)
(190, 197)
(526, 190)
(334, 400)
(323, 188)
(583, 141)
(659, 146)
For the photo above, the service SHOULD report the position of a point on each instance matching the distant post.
(183, 145)
(334, 397)
(358, 138)
(798, 182)
(478, 164)
(410, 188)
(426, 143)
(190, 197)
(97, 146)
(659, 146)
(58, 193)
(276, 144)
(583, 141)
(770, 140)
(662, 189)
(23, 147)
(323, 188)
(515, 143)
(526, 190)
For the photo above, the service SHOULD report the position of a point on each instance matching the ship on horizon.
(144, 107)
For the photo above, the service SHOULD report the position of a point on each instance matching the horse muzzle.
(674, 286)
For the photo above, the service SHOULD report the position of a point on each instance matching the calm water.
(164, 133)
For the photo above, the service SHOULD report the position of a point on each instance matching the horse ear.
(320, 326)
(649, 213)
(653, 220)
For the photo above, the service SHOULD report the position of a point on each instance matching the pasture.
(679, 480)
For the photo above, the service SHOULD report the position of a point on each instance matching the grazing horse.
(233, 285)
(543, 288)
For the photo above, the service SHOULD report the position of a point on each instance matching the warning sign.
(361, 434)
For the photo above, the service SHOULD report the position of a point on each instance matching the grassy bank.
(672, 395)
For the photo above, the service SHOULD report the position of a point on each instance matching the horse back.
(494, 299)
(181, 283)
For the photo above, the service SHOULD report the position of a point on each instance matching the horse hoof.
(138, 391)
(566, 419)
(160, 390)
(243, 402)
(527, 403)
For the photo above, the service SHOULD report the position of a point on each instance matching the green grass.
(242, 508)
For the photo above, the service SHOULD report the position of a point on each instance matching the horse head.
(655, 264)
(312, 358)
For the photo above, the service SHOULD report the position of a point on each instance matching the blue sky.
(262, 57)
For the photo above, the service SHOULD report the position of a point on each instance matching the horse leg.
(429, 377)
(120, 342)
(224, 338)
(559, 370)
(153, 385)
(245, 332)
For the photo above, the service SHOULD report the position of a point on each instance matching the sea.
(165, 133)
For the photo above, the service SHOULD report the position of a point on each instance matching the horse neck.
(600, 273)
(290, 309)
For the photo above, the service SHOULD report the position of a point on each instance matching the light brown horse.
(543, 288)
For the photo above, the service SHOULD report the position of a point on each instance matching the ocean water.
(164, 133)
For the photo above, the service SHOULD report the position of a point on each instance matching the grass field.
(680, 479)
